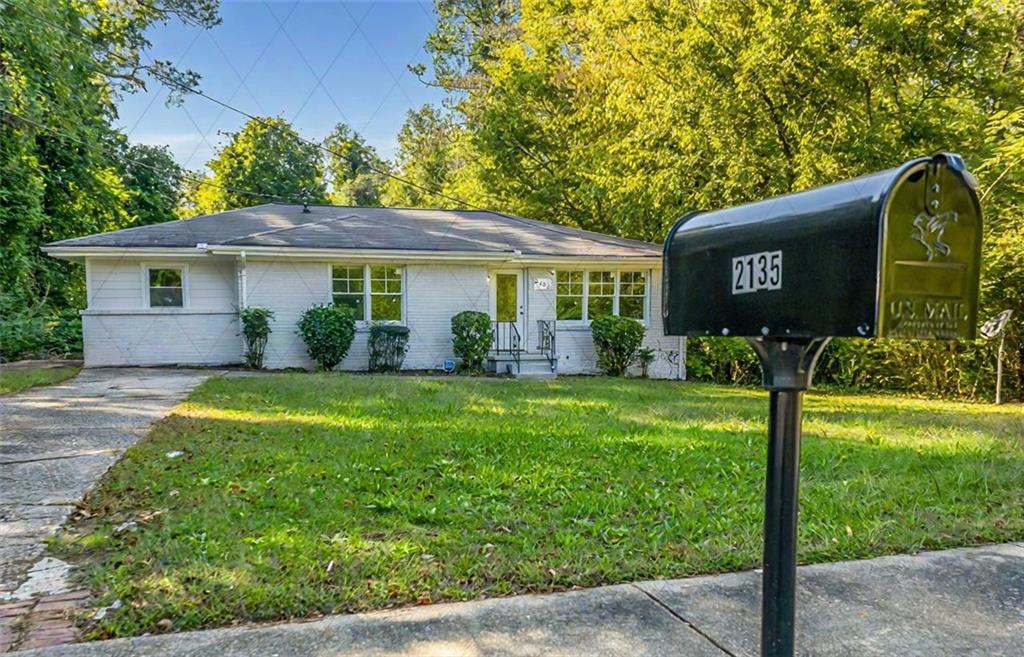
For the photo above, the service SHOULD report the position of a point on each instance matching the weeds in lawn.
(302, 494)
(15, 379)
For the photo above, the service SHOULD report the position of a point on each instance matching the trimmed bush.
(328, 331)
(256, 331)
(388, 345)
(617, 341)
(471, 337)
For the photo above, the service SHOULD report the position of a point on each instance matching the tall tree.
(433, 162)
(63, 63)
(153, 180)
(357, 172)
(467, 38)
(619, 115)
(266, 157)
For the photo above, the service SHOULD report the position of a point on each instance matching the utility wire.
(184, 174)
(193, 90)
(315, 144)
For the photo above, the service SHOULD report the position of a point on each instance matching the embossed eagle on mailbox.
(930, 229)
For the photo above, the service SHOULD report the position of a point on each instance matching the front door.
(508, 305)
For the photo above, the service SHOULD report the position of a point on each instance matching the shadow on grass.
(309, 494)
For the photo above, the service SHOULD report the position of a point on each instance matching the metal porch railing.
(546, 341)
(507, 340)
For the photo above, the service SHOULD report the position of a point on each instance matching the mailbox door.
(931, 254)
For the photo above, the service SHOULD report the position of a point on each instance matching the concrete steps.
(531, 365)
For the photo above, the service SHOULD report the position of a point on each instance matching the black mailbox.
(894, 254)
(891, 254)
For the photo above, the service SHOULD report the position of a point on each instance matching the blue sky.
(266, 58)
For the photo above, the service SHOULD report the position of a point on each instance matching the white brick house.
(168, 294)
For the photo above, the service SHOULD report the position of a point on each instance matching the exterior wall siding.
(289, 288)
(575, 345)
(432, 294)
(435, 294)
(118, 328)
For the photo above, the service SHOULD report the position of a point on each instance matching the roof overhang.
(368, 255)
(79, 253)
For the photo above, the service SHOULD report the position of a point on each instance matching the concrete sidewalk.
(55, 443)
(956, 602)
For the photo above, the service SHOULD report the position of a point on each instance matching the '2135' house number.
(756, 272)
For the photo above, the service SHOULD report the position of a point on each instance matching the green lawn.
(300, 494)
(14, 379)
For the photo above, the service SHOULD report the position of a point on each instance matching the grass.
(301, 494)
(15, 379)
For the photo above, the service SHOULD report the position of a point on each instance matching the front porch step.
(531, 365)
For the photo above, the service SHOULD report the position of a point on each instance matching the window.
(569, 295)
(166, 287)
(600, 293)
(386, 293)
(594, 294)
(632, 294)
(371, 292)
(348, 289)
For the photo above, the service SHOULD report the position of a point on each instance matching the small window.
(632, 294)
(349, 289)
(386, 294)
(601, 294)
(569, 295)
(166, 287)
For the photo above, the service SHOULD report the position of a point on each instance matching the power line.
(184, 174)
(193, 90)
(267, 124)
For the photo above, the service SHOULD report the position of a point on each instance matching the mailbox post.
(893, 254)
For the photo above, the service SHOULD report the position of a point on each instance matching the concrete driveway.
(55, 443)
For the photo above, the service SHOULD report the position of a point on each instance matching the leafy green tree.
(153, 180)
(267, 156)
(357, 172)
(435, 163)
(466, 38)
(620, 116)
(62, 66)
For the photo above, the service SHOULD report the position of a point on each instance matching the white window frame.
(617, 272)
(583, 301)
(362, 268)
(368, 295)
(183, 267)
(645, 319)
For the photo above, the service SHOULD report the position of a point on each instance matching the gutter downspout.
(243, 282)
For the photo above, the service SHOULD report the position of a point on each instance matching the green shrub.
(256, 331)
(617, 341)
(388, 344)
(644, 358)
(22, 336)
(328, 331)
(64, 332)
(472, 338)
(722, 360)
(941, 369)
(38, 330)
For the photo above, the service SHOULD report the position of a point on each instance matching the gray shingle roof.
(392, 229)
